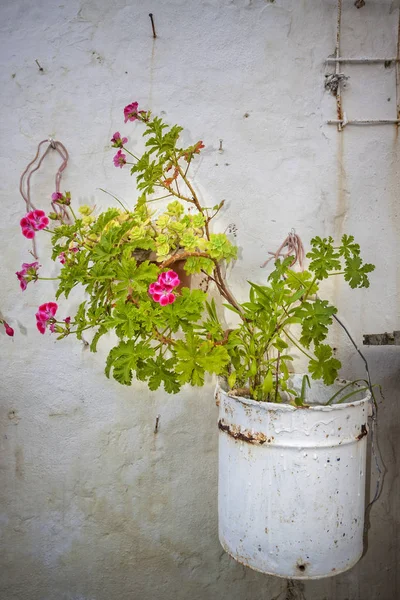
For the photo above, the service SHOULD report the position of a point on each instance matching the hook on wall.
(152, 25)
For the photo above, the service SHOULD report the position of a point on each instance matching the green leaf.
(281, 269)
(301, 280)
(324, 257)
(186, 311)
(104, 219)
(159, 371)
(197, 264)
(280, 344)
(349, 247)
(175, 209)
(123, 360)
(80, 320)
(304, 383)
(315, 318)
(145, 274)
(195, 358)
(356, 272)
(212, 310)
(220, 247)
(232, 308)
(101, 331)
(129, 319)
(324, 366)
(268, 383)
(232, 380)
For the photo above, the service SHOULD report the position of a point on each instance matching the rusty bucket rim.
(284, 407)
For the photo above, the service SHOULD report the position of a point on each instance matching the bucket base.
(247, 563)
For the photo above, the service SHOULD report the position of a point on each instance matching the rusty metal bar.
(339, 109)
(344, 122)
(361, 60)
(382, 339)
(398, 71)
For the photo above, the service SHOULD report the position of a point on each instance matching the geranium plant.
(129, 263)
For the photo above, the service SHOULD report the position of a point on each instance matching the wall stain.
(339, 218)
(19, 462)
(152, 60)
(341, 202)
(393, 203)
(13, 416)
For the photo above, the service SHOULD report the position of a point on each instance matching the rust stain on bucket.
(364, 431)
(244, 435)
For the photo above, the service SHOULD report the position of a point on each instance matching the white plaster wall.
(93, 505)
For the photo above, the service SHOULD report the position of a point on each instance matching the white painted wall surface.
(93, 505)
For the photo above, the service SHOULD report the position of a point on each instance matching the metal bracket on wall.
(382, 339)
(341, 121)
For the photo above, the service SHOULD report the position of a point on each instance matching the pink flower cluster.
(117, 141)
(45, 315)
(32, 222)
(62, 257)
(131, 112)
(161, 290)
(59, 198)
(119, 159)
(28, 272)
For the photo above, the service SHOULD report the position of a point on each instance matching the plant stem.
(304, 298)
(298, 345)
(115, 198)
(131, 153)
(49, 278)
(277, 376)
(72, 211)
(160, 198)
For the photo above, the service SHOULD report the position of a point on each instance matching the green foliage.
(124, 358)
(196, 357)
(324, 366)
(261, 353)
(356, 273)
(315, 318)
(114, 257)
(220, 247)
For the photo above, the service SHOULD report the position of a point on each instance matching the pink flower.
(9, 330)
(67, 320)
(59, 198)
(119, 159)
(29, 272)
(168, 280)
(155, 288)
(131, 112)
(161, 290)
(117, 141)
(61, 258)
(45, 315)
(33, 221)
(163, 297)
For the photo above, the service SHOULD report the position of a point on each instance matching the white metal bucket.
(291, 491)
